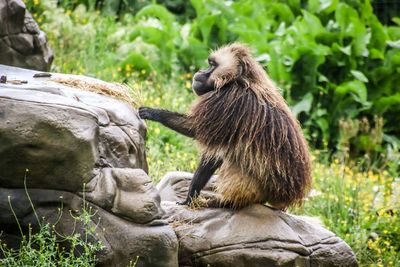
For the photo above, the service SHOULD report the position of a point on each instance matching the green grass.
(47, 247)
(43, 249)
(360, 206)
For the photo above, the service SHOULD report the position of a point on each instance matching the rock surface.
(67, 137)
(253, 236)
(22, 43)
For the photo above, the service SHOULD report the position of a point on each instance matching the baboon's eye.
(212, 63)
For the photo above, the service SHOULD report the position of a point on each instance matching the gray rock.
(253, 236)
(22, 43)
(57, 131)
(77, 143)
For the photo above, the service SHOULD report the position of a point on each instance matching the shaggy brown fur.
(246, 122)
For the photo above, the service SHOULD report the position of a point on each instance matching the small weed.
(44, 248)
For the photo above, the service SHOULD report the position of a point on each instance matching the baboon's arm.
(173, 120)
(200, 178)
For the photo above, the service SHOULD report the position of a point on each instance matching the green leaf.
(394, 44)
(276, 69)
(152, 35)
(157, 11)
(383, 103)
(393, 140)
(281, 11)
(357, 90)
(205, 24)
(378, 36)
(376, 54)
(322, 78)
(304, 105)
(396, 20)
(351, 26)
(345, 50)
(327, 38)
(359, 76)
(312, 24)
(199, 7)
(343, 16)
(394, 33)
(326, 6)
(247, 29)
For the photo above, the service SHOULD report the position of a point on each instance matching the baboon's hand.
(146, 113)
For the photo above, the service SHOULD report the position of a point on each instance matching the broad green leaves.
(333, 60)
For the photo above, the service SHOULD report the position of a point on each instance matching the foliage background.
(336, 64)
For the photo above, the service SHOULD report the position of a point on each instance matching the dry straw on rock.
(118, 91)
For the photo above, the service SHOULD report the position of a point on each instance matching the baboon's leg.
(206, 169)
(173, 120)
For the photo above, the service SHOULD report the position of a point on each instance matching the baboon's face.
(222, 68)
(202, 83)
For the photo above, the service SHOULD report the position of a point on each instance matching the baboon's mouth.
(196, 84)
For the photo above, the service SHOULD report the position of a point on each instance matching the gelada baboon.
(244, 127)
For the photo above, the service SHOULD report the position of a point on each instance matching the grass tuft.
(45, 247)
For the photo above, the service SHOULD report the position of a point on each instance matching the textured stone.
(77, 143)
(253, 236)
(22, 43)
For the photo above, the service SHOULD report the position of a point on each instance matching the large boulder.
(22, 43)
(61, 145)
(255, 236)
